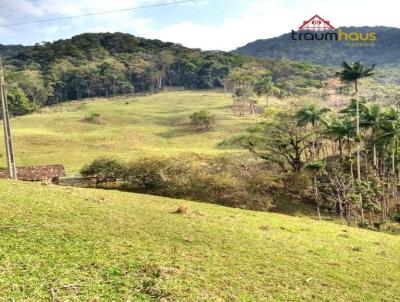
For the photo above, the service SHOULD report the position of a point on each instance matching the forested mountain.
(90, 65)
(385, 53)
(106, 64)
(12, 50)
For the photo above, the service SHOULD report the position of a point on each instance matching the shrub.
(159, 175)
(226, 181)
(92, 118)
(297, 185)
(145, 175)
(18, 102)
(265, 183)
(219, 180)
(180, 175)
(222, 188)
(203, 119)
(103, 170)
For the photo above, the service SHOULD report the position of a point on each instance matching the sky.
(205, 24)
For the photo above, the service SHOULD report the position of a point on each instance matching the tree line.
(93, 65)
(104, 65)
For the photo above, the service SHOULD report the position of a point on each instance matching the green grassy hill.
(128, 126)
(69, 244)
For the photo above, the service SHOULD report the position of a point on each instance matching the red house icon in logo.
(316, 23)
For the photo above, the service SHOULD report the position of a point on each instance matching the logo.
(316, 23)
(318, 29)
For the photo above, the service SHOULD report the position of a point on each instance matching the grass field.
(69, 244)
(156, 124)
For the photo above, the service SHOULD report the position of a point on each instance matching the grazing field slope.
(127, 127)
(70, 244)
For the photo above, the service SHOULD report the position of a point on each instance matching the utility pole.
(12, 171)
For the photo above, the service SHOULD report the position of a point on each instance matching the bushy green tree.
(18, 102)
(33, 84)
(203, 119)
(264, 86)
(280, 141)
(103, 170)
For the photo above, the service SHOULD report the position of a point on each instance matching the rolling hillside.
(66, 244)
(127, 127)
(385, 53)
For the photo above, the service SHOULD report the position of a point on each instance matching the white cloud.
(270, 18)
(20, 8)
(76, 7)
(263, 18)
(259, 20)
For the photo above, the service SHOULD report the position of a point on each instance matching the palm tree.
(341, 130)
(351, 109)
(265, 86)
(352, 73)
(313, 115)
(390, 126)
(371, 119)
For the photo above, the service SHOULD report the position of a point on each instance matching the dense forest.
(107, 64)
(91, 65)
(385, 52)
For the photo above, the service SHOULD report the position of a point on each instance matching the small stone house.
(48, 173)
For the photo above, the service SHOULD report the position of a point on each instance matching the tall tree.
(280, 141)
(312, 115)
(352, 73)
(391, 132)
(371, 119)
(18, 102)
(264, 86)
(341, 130)
(33, 85)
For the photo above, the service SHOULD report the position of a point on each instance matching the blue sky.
(206, 24)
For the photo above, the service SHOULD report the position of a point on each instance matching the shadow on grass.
(172, 111)
(176, 121)
(233, 142)
(295, 208)
(179, 132)
(225, 107)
